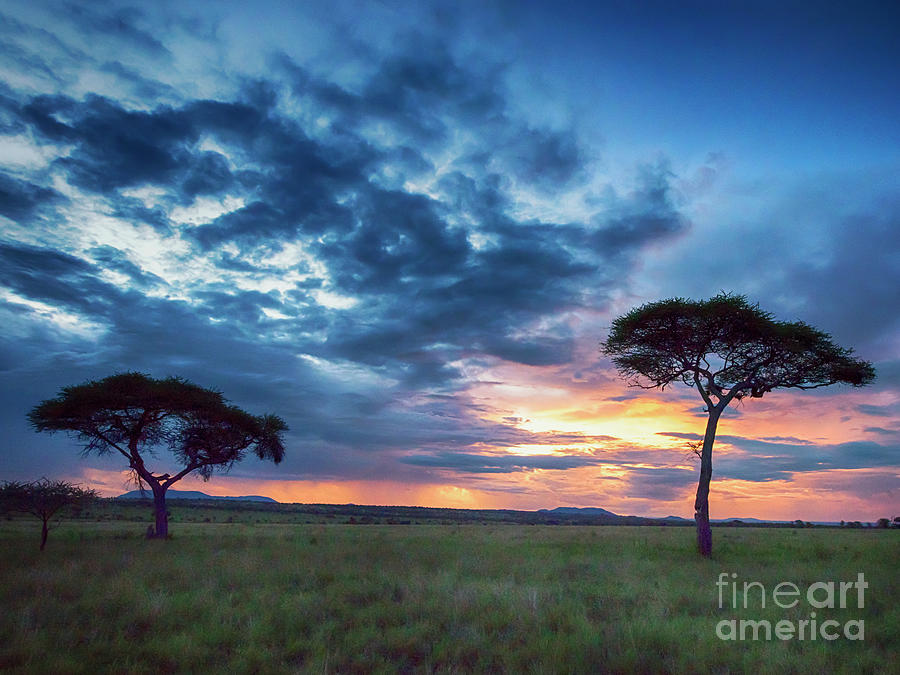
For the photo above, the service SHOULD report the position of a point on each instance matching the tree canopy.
(728, 349)
(43, 498)
(133, 414)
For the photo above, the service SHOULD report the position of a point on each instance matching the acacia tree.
(728, 349)
(43, 498)
(134, 415)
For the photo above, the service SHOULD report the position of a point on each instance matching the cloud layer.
(389, 243)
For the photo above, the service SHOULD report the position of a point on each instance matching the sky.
(405, 227)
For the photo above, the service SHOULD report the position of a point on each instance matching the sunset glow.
(406, 228)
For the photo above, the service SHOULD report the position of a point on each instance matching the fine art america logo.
(817, 624)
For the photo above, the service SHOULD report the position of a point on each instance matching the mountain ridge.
(566, 512)
(597, 511)
(194, 494)
(586, 510)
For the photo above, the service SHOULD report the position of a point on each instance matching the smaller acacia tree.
(134, 414)
(728, 349)
(45, 499)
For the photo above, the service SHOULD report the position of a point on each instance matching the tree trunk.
(44, 530)
(159, 509)
(701, 504)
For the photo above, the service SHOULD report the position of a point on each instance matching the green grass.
(277, 598)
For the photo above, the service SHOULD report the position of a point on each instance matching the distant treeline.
(210, 510)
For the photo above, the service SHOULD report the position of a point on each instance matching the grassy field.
(323, 598)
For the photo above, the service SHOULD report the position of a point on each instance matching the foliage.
(728, 348)
(43, 498)
(127, 409)
(133, 414)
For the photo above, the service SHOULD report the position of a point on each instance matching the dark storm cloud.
(111, 258)
(446, 291)
(882, 431)
(422, 91)
(36, 51)
(138, 332)
(119, 148)
(412, 89)
(408, 162)
(887, 410)
(888, 373)
(250, 224)
(10, 123)
(379, 240)
(54, 277)
(25, 60)
(21, 201)
(545, 158)
(625, 397)
(133, 210)
(119, 25)
(476, 297)
(139, 327)
(299, 181)
(844, 294)
(786, 439)
(242, 307)
(144, 88)
(764, 460)
(681, 434)
(400, 240)
(13, 29)
(608, 451)
(835, 267)
(451, 294)
(865, 484)
(114, 147)
(419, 90)
(778, 457)
(562, 438)
(41, 111)
(663, 484)
(536, 351)
(432, 278)
(165, 337)
(208, 173)
(645, 215)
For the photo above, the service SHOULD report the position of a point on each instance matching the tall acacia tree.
(44, 498)
(133, 414)
(727, 349)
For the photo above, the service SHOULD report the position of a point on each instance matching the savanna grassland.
(325, 597)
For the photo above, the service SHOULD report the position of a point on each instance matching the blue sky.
(405, 227)
(786, 85)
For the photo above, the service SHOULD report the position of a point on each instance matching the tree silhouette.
(43, 498)
(728, 349)
(133, 414)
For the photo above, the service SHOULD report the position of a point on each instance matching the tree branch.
(103, 437)
(181, 474)
(702, 390)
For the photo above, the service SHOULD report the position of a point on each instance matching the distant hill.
(594, 511)
(403, 515)
(586, 511)
(748, 521)
(193, 494)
